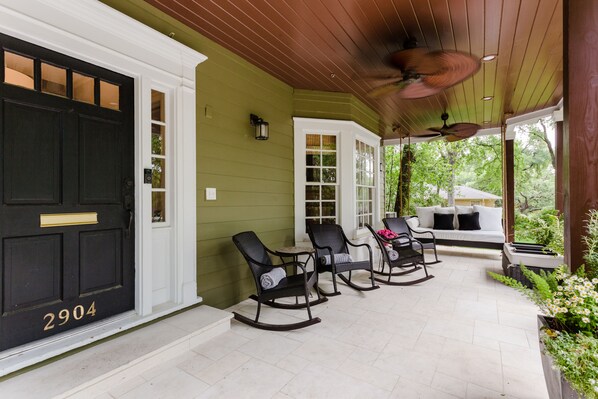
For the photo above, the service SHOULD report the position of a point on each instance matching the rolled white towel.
(272, 278)
(393, 255)
(338, 258)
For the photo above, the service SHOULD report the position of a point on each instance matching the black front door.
(66, 218)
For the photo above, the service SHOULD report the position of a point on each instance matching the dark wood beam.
(509, 170)
(559, 200)
(580, 133)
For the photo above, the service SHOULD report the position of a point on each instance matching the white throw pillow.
(425, 214)
(460, 210)
(490, 218)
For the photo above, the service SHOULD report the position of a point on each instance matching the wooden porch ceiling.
(341, 45)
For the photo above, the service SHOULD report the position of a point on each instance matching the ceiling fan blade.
(386, 89)
(451, 138)
(463, 130)
(418, 89)
(453, 67)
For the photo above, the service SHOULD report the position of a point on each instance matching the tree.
(404, 181)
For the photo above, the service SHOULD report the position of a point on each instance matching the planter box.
(558, 387)
(511, 259)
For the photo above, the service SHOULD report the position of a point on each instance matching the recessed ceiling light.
(333, 75)
(488, 58)
(487, 98)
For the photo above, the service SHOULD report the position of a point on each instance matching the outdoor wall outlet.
(210, 194)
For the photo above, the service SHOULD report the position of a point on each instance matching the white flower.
(585, 320)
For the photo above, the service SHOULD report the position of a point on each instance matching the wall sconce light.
(261, 127)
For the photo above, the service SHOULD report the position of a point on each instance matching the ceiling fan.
(454, 132)
(425, 73)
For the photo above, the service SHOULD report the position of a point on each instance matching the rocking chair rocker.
(332, 255)
(410, 254)
(256, 255)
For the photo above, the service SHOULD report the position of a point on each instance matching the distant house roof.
(464, 192)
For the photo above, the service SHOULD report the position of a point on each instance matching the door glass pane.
(158, 106)
(328, 175)
(109, 95)
(329, 159)
(312, 209)
(328, 208)
(312, 159)
(329, 142)
(158, 173)
(329, 192)
(158, 140)
(312, 193)
(312, 141)
(158, 206)
(83, 88)
(53, 80)
(312, 175)
(18, 70)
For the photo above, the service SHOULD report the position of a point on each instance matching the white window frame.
(373, 198)
(347, 133)
(168, 154)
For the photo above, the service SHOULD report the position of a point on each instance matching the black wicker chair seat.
(399, 226)
(410, 256)
(296, 285)
(328, 240)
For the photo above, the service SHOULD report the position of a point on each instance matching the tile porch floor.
(459, 335)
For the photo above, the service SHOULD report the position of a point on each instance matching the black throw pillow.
(444, 221)
(469, 221)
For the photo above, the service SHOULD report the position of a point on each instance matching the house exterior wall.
(469, 202)
(254, 179)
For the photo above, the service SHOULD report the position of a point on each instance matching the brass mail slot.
(67, 219)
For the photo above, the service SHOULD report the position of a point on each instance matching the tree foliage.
(477, 162)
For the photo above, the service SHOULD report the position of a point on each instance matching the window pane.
(312, 193)
(312, 141)
(83, 88)
(312, 175)
(329, 159)
(53, 80)
(158, 106)
(328, 175)
(18, 70)
(312, 159)
(158, 206)
(158, 173)
(109, 95)
(329, 142)
(158, 140)
(328, 192)
(312, 209)
(328, 220)
(328, 208)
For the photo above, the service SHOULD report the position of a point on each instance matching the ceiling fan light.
(488, 58)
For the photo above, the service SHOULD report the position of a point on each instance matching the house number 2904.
(64, 315)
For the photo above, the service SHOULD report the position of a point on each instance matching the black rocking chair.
(256, 255)
(410, 256)
(330, 240)
(399, 226)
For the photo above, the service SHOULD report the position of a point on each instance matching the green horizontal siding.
(332, 105)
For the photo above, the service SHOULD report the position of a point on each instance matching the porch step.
(98, 368)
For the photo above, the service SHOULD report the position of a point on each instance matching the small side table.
(295, 252)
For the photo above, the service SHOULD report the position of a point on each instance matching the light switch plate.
(210, 194)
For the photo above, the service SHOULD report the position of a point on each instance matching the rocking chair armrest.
(365, 244)
(423, 232)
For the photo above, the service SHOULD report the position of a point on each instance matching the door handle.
(131, 217)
